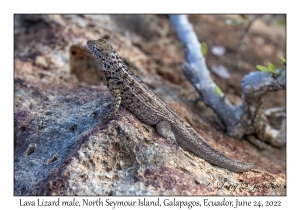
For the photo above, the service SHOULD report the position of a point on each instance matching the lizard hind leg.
(116, 93)
(164, 129)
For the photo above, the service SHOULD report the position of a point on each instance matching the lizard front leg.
(164, 129)
(116, 93)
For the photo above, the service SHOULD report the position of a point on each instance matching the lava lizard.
(125, 87)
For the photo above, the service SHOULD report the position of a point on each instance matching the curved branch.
(251, 113)
(196, 70)
(247, 119)
(257, 84)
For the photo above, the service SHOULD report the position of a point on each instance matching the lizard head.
(100, 49)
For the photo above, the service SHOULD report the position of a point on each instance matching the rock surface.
(64, 147)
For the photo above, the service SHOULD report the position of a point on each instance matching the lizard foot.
(164, 129)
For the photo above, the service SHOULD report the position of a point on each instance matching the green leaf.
(219, 91)
(282, 22)
(204, 48)
(243, 16)
(283, 61)
(262, 68)
(271, 68)
(281, 71)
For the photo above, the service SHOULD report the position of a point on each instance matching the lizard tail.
(197, 145)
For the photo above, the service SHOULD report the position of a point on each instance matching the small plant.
(219, 92)
(272, 68)
(204, 48)
(283, 61)
(243, 16)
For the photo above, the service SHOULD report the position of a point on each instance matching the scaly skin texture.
(129, 90)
